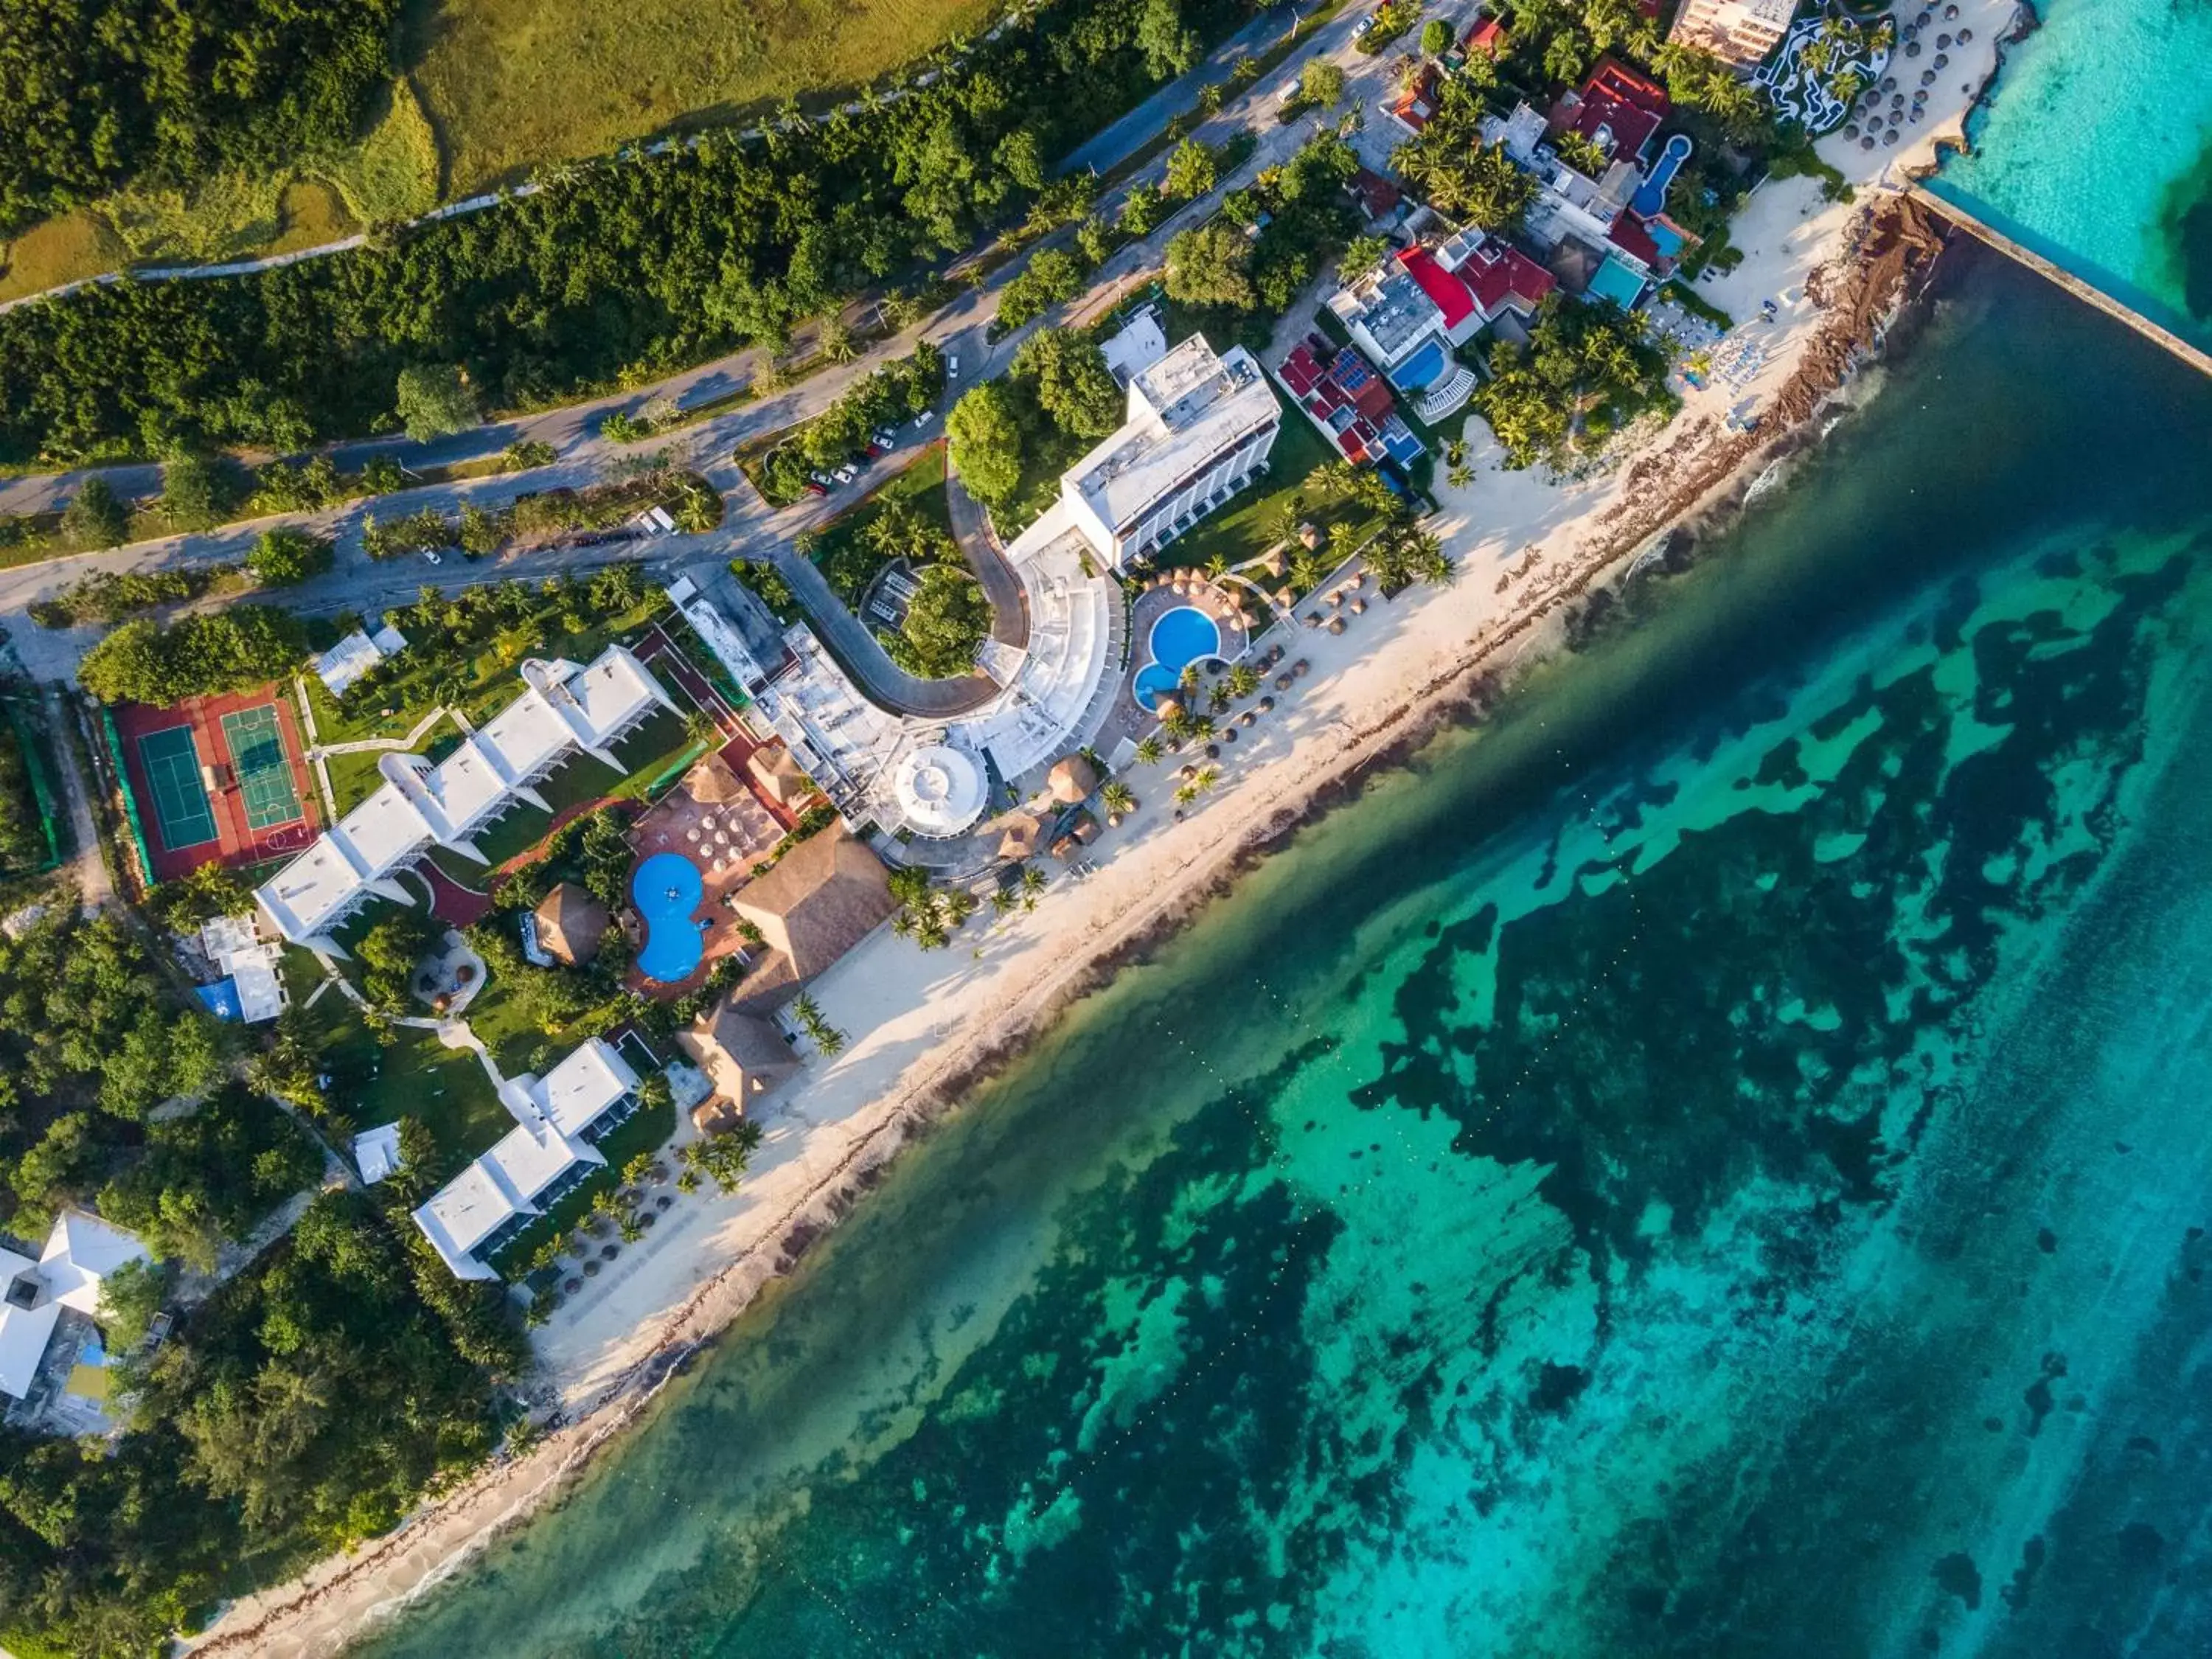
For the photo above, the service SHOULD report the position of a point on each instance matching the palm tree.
(1243, 680)
(1188, 682)
(1218, 566)
(1206, 778)
(1148, 751)
(1003, 900)
(1460, 476)
(1289, 515)
(1032, 879)
(1185, 794)
(1117, 799)
(1219, 699)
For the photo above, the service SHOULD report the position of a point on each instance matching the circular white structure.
(940, 789)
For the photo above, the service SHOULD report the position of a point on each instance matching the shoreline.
(1689, 477)
(504, 1495)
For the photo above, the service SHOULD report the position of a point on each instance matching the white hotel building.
(566, 710)
(1199, 425)
(550, 1149)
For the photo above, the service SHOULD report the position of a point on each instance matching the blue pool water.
(1653, 196)
(666, 890)
(1421, 370)
(1184, 635)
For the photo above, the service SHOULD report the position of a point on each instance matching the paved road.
(751, 526)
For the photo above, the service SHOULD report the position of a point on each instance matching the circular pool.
(1183, 636)
(666, 890)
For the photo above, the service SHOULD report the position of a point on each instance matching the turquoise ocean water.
(2097, 152)
(1716, 1163)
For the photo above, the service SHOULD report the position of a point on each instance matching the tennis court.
(186, 816)
(256, 743)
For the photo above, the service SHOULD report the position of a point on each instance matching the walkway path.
(979, 545)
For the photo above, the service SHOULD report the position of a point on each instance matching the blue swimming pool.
(1653, 196)
(1421, 370)
(666, 890)
(1184, 635)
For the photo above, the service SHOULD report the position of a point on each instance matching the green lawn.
(838, 552)
(1249, 526)
(416, 1076)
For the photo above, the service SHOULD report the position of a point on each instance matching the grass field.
(494, 89)
(512, 83)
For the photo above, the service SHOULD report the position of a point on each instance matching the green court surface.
(264, 777)
(184, 814)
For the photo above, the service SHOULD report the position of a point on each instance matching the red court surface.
(233, 844)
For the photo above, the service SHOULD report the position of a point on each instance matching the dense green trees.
(210, 1175)
(434, 399)
(93, 517)
(1067, 374)
(614, 272)
(22, 842)
(1449, 164)
(946, 621)
(95, 93)
(302, 1408)
(1053, 275)
(986, 434)
(1587, 370)
(243, 646)
(287, 555)
(92, 1038)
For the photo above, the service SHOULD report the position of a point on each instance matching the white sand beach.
(1522, 546)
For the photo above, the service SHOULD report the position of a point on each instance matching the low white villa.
(80, 1252)
(549, 1150)
(568, 710)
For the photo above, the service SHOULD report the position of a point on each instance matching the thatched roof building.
(1072, 780)
(714, 781)
(571, 923)
(743, 1055)
(1023, 834)
(825, 896)
(778, 775)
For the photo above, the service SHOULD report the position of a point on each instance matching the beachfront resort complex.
(528, 860)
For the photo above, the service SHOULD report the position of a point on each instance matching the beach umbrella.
(1336, 624)
(1359, 607)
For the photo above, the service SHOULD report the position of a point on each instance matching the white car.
(924, 419)
(847, 473)
(434, 556)
(951, 369)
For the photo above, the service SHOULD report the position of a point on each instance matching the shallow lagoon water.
(1714, 1164)
(2097, 152)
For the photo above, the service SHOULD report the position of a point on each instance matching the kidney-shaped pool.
(1183, 636)
(666, 890)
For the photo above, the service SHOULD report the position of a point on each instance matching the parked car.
(815, 489)
(847, 473)
(924, 419)
(434, 556)
(887, 436)
(951, 369)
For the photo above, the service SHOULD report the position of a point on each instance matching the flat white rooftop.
(565, 709)
(1186, 411)
(551, 1114)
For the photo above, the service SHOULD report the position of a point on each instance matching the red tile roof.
(1628, 235)
(1491, 34)
(1372, 400)
(1445, 290)
(1618, 99)
(1377, 194)
(1513, 274)
(1618, 81)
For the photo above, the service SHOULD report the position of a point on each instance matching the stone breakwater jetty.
(2195, 356)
